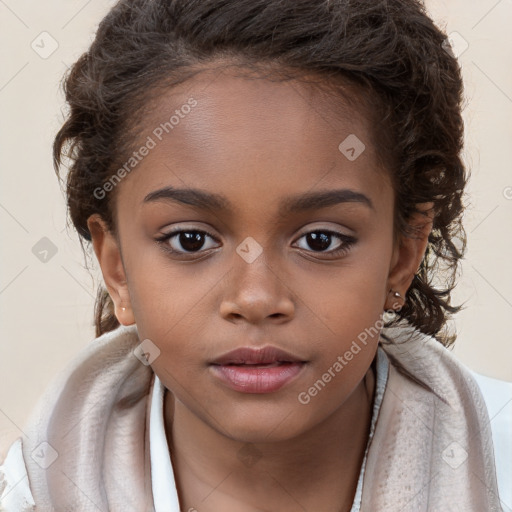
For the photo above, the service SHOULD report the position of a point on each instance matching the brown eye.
(190, 240)
(326, 242)
(318, 240)
(187, 241)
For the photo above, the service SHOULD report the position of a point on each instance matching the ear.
(109, 258)
(408, 254)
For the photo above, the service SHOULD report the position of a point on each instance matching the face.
(287, 242)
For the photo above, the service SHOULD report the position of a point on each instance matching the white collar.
(163, 484)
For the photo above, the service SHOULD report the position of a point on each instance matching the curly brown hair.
(391, 50)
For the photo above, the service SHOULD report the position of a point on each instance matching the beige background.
(46, 308)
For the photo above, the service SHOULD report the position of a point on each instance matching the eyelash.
(348, 241)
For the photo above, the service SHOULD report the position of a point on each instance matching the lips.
(249, 370)
(268, 355)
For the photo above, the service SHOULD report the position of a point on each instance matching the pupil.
(318, 242)
(191, 241)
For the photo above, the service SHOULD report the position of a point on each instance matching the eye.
(194, 241)
(186, 241)
(329, 242)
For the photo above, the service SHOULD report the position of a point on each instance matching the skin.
(257, 142)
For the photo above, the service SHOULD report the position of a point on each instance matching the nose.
(257, 293)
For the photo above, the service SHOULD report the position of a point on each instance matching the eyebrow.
(293, 204)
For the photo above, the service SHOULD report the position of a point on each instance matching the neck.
(317, 470)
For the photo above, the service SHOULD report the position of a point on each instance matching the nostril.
(235, 316)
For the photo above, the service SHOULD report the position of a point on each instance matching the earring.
(396, 294)
(391, 314)
(123, 309)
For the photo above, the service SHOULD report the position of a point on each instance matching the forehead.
(228, 133)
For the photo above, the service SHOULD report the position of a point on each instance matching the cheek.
(343, 300)
(164, 294)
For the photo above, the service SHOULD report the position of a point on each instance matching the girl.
(270, 187)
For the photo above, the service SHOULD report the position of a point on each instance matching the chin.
(265, 426)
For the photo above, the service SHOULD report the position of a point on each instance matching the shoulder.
(465, 399)
(497, 394)
(15, 494)
(487, 402)
(498, 399)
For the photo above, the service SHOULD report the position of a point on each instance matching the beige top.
(89, 441)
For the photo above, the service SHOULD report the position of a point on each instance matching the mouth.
(249, 370)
